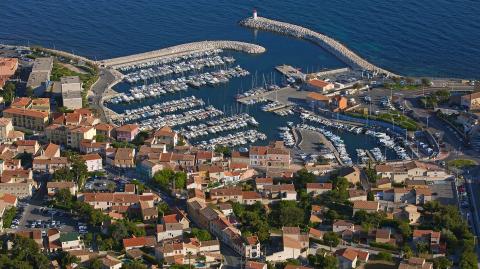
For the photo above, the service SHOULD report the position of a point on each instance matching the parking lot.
(36, 216)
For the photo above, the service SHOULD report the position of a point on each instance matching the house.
(285, 192)
(368, 206)
(349, 258)
(54, 186)
(274, 155)
(127, 132)
(317, 101)
(105, 129)
(411, 214)
(109, 262)
(422, 195)
(430, 237)
(8, 67)
(41, 104)
(315, 234)
(8, 200)
(339, 103)
(36, 235)
(318, 85)
(318, 188)
(255, 265)
(139, 242)
(106, 201)
(351, 173)
(7, 133)
(295, 245)
(166, 135)
(342, 225)
(93, 162)
(263, 181)
(51, 151)
(71, 90)
(415, 263)
(416, 170)
(124, 158)
(18, 182)
(293, 266)
(50, 165)
(357, 195)
(471, 101)
(27, 146)
(383, 236)
(70, 241)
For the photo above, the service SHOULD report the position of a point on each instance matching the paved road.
(106, 78)
(472, 180)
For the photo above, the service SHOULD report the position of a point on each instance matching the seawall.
(182, 49)
(336, 48)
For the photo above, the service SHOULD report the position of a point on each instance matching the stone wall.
(328, 43)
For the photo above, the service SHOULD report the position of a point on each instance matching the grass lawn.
(392, 117)
(461, 163)
(87, 78)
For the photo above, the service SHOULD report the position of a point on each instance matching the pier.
(180, 50)
(290, 71)
(328, 43)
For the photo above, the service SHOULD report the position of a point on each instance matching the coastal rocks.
(184, 48)
(328, 43)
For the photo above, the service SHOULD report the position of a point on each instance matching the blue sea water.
(410, 37)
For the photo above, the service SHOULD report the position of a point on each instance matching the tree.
(407, 252)
(303, 177)
(468, 260)
(8, 217)
(163, 209)
(134, 265)
(65, 259)
(405, 229)
(442, 263)
(166, 178)
(140, 138)
(100, 138)
(331, 239)
(323, 261)
(371, 173)
(96, 263)
(29, 91)
(25, 253)
(201, 234)
(8, 93)
(226, 151)
(287, 213)
(370, 196)
(425, 82)
(79, 169)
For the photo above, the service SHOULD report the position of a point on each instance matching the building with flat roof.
(40, 76)
(71, 90)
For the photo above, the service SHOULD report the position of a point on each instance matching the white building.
(93, 162)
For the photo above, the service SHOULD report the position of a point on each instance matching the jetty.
(180, 50)
(333, 46)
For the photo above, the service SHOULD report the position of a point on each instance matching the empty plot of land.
(444, 192)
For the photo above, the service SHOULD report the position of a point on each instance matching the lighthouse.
(254, 14)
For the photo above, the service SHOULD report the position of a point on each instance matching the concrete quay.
(328, 43)
(181, 50)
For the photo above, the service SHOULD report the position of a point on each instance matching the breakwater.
(328, 43)
(182, 49)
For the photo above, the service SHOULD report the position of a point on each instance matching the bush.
(383, 245)
(384, 256)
